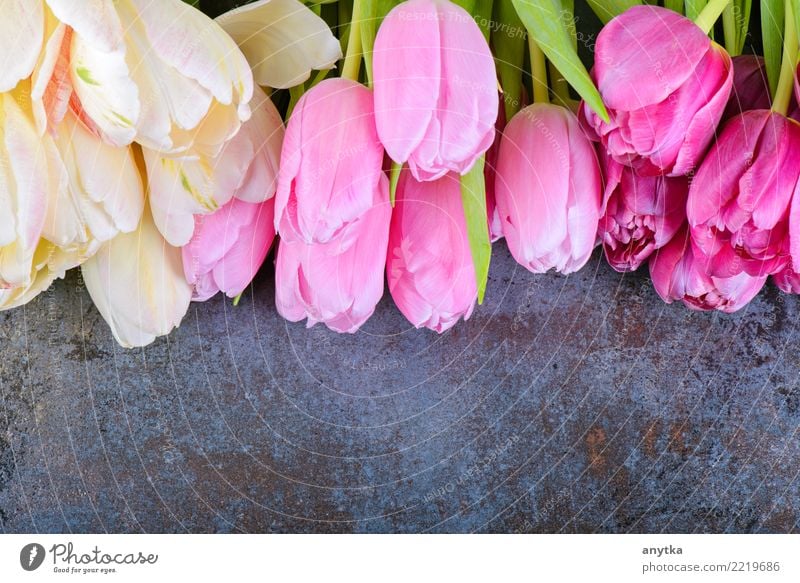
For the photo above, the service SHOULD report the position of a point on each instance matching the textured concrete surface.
(566, 404)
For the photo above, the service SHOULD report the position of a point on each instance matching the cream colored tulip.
(283, 41)
(137, 283)
(198, 184)
(159, 73)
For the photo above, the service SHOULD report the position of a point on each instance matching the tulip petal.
(283, 40)
(95, 20)
(137, 284)
(108, 97)
(22, 34)
(630, 69)
(408, 77)
(196, 46)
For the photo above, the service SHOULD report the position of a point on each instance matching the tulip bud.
(664, 97)
(228, 248)
(435, 88)
(331, 164)
(548, 190)
(641, 214)
(283, 41)
(738, 207)
(750, 86)
(679, 274)
(338, 283)
(429, 264)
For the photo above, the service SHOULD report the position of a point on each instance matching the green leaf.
(394, 178)
(608, 9)
(473, 197)
(741, 16)
(675, 5)
(694, 8)
(508, 41)
(372, 14)
(772, 20)
(543, 20)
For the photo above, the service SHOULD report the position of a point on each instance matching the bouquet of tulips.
(145, 142)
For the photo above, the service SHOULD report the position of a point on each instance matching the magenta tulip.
(679, 274)
(739, 200)
(435, 84)
(337, 283)
(665, 86)
(429, 264)
(331, 164)
(642, 214)
(548, 190)
(750, 86)
(228, 248)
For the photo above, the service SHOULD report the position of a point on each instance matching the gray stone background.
(565, 404)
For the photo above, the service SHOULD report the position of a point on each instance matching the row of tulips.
(137, 142)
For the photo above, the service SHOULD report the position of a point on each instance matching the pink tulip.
(750, 86)
(429, 264)
(788, 280)
(228, 248)
(665, 86)
(548, 190)
(435, 88)
(738, 206)
(641, 215)
(489, 174)
(331, 164)
(337, 283)
(679, 274)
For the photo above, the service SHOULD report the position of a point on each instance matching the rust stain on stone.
(650, 437)
(595, 441)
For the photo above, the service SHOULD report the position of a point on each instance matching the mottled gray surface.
(572, 404)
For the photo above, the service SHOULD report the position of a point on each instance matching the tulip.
(104, 194)
(788, 280)
(429, 264)
(27, 175)
(666, 97)
(548, 189)
(641, 214)
(283, 40)
(489, 174)
(49, 263)
(197, 184)
(678, 273)
(137, 284)
(337, 283)
(159, 73)
(435, 84)
(739, 200)
(228, 248)
(331, 163)
(750, 86)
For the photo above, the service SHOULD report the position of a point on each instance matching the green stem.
(560, 85)
(783, 94)
(541, 93)
(352, 61)
(729, 28)
(236, 300)
(295, 93)
(706, 19)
